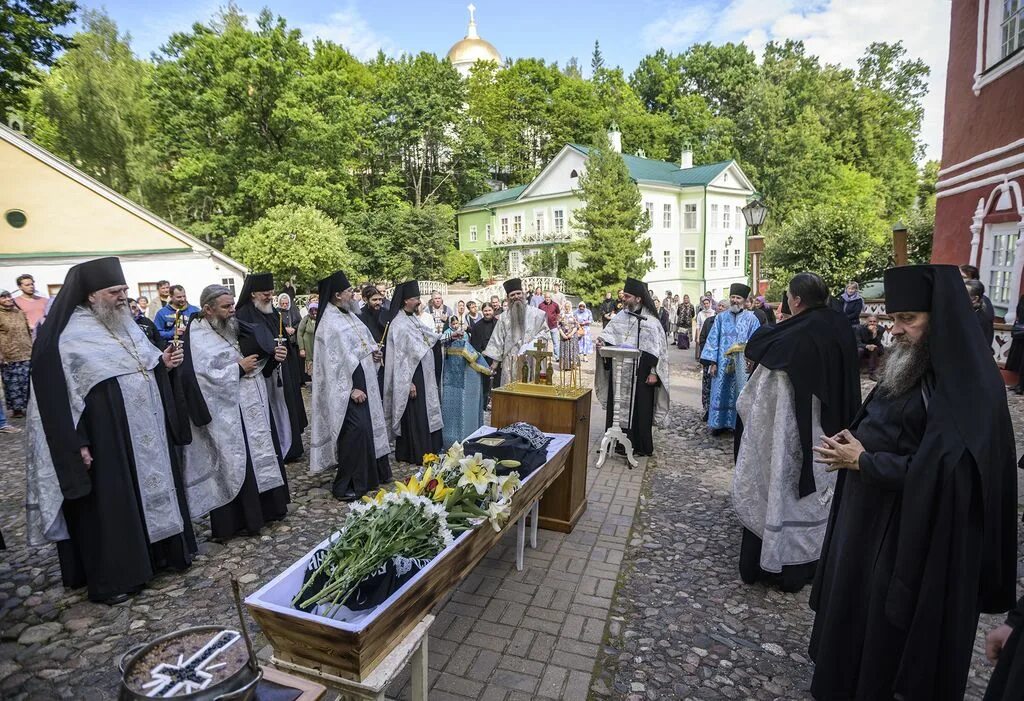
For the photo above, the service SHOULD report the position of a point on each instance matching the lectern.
(622, 386)
(553, 409)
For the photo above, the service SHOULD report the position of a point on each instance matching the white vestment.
(89, 355)
(505, 345)
(410, 344)
(621, 331)
(239, 407)
(765, 490)
(340, 345)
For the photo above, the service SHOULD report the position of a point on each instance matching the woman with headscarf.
(584, 317)
(851, 303)
(304, 336)
(769, 314)
(568, 333)
(291, 318)
(685, 314)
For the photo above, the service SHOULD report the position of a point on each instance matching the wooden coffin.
(353, 643)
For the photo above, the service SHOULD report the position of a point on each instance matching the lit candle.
(280, 324)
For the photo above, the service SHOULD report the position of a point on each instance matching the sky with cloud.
(835, 30)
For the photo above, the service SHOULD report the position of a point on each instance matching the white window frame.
(737, 258)
(690, 258)
(487, 232)
(690, 216)
(666, 216)
(998, 256)
(540, 221)
(989, 64)
(714, 216)
(558, 217)
(713, 259)
(504, 228)
(725, 257)
(666, 260)
(515, 261)
(473, 233)
(726, 218)
(649, 208)
(517, 225)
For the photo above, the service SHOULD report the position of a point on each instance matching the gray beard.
(265, 307)
(735, 308)
(225, 327)
(350, 307)
(905, 365)
(517, 318)
(115, 319)
(635, 307)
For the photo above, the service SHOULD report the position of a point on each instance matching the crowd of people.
(900, 510)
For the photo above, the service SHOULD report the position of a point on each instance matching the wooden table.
(553, 409)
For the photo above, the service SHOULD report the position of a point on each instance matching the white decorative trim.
(998, 71)
(24, 144)
(976, 224)
(982, 156)
(993, 180)
(981, 170)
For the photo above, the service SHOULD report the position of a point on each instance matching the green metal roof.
(492, 198)
(649, 170)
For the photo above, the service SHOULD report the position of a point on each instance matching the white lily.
(478, 473)
(497, 513)
(508, 485)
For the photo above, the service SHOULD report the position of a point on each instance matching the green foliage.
(611, 224)
(838, 243)
(293, 241)
(94, 108)
(394, 241)
(549, 261)
(494, 262)
(920, 225)
(29, 38)
(461, 266)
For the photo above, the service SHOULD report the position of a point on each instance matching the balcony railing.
(527, 238)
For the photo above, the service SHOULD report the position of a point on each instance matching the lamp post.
(754, 214)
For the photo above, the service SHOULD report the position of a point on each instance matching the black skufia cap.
(513, 285)
(738, 288)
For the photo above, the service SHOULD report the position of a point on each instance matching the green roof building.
(698, 235)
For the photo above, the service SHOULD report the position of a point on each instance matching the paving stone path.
(683, 625)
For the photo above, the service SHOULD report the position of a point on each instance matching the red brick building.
(979, 216)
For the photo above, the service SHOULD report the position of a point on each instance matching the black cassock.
(856, 645)
(292, 390)
(372, 321)
(359, 468)
(1007, 682)
(109, 549)
(416, 439)
(251, 509)
(644, 397)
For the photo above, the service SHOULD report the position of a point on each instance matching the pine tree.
(611, 226)
(596, 60)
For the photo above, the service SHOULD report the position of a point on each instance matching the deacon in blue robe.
(723, 354)
(461, 406)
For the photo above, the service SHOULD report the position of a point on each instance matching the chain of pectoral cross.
(132, 352)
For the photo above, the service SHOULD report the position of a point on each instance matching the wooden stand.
(553, 410)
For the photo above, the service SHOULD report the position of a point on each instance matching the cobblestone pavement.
(682, 623)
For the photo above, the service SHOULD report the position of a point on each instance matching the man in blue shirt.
(177, 309)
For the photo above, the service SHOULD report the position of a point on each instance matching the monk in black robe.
(412, 379)
(922, 531)
(255, 306)
(374, 316)
(479, 337)
(104, 483)
(349, 433)
(637, 323)
(233, 469)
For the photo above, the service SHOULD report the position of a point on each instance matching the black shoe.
(347, 496)
(717, 431)
(116, 599)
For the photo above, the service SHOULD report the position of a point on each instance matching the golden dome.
(468, 51)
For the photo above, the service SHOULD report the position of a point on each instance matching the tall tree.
(29, 38)
(596, 60)
(611, 227)
(94, 110)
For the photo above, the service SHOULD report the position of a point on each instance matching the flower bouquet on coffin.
(382, 543)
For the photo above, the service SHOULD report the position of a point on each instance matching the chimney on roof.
(615, 138)
(686, 160)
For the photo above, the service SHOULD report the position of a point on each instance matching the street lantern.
(755, 213)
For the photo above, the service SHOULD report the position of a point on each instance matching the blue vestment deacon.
(461, 406)
(724, 348)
